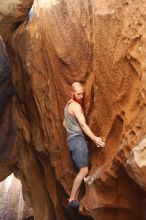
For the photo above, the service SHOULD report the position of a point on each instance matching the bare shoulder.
(74, 106)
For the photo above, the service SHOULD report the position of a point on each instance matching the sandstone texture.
(103, 44)
(12, 13)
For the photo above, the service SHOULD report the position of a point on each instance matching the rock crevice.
(101, 43)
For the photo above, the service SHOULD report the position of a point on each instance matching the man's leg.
(77, 182)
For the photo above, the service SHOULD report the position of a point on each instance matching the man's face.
(78, 95)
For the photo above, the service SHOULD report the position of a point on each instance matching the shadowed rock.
(103, 44)
(7, 130)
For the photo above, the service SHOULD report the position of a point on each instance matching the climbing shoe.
(74, 204)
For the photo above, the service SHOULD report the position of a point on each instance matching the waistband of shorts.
(78, 135)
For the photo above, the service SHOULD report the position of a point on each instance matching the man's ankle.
(71, 199)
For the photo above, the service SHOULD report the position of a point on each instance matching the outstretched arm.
(77, 111)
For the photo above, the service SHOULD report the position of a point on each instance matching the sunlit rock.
(12, 13)
(102, 43)
(12, 206)
(137, 164)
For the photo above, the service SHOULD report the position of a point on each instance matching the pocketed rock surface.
(102, 43)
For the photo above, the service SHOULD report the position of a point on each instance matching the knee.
(84, 171)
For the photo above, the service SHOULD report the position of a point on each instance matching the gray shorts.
(78, 147)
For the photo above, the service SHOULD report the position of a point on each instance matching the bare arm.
(77, 111)
(64, 123)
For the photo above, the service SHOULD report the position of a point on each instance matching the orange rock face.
(103, 44)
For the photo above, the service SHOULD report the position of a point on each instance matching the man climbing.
(75, 124)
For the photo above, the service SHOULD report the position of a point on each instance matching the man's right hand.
(98, 141)
(78, 113)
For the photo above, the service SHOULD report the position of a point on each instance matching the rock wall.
(12, 14)
(103, 44)
(8, 152)
(12, 206)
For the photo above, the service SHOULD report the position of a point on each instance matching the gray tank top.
(71, 123)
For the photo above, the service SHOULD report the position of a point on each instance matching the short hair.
(76, 84)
